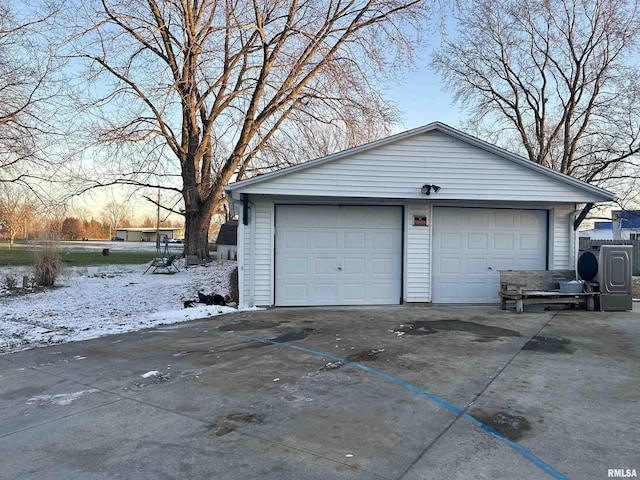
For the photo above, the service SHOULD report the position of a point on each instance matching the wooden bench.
(541, 286)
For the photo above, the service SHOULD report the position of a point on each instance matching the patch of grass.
(15, 257)
(118, 257)
(23, 256)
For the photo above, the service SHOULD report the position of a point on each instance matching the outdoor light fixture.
(426, 189)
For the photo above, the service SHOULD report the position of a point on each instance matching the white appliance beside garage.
(338, 255)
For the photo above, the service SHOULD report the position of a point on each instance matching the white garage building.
(430, 215)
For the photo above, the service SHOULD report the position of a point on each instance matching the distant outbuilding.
(227, 241)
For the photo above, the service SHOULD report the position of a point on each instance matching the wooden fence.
(588, 244)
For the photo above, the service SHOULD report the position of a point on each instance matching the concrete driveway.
(332, 393)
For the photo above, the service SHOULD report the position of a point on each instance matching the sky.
(422, 100)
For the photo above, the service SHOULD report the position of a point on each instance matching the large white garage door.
(471, 246)
(338, 255)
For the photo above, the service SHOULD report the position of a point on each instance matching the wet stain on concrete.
(21, 393)
(286, 337)
(429, 327)
(233, 421)
(244, 325)
(291, 336)
(510, 426)
(549, 345)
(365, 355)
(183, 353)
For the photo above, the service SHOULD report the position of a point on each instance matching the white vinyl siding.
(258, 270)
(417, 257)
(245, 261)
(562, 243)
(399, 169)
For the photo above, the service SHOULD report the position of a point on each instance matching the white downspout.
(246, 266)
(252, 249)
(573, 251)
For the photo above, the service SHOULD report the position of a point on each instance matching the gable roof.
(592, 191)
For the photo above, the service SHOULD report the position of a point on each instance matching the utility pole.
(158, 221)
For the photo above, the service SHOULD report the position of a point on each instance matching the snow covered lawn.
(97, 301)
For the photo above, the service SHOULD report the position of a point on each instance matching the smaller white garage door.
(338, 255)
(472, 245)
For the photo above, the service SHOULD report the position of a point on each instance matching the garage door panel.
(384, 241)
(485, 242)
(325, 266)
(477, 265)
(450, 241)
(529, 219)
(352, 259)
(476, 291)
(527, 263)
(325, 240)
(296, 291)
(449, 265)
(355, 266)
(354, 292)
(450, 290)
(383, 219)
(383, 265)
(297, 266)
(382, 293)
(506, 219)
(478, 220)
(296, 239)
(529, 242)
(504, 241)
(504, 264)
(324, 292)
(355, 240)
(478, 241)
(352, 217)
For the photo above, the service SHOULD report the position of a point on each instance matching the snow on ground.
(97, 301)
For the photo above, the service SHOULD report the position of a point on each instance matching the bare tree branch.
(553, 72)
(226, 84)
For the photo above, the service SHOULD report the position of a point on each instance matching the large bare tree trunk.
(197, 233)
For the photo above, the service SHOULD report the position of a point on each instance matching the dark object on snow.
(189, 303)
(213, 299)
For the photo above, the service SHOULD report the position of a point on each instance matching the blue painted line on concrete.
(518, 448)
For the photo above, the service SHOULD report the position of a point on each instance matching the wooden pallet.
(527, 287)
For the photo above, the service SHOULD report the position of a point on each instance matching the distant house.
(600, 231)
(227, 241)
(148, 234)
(626, 224)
